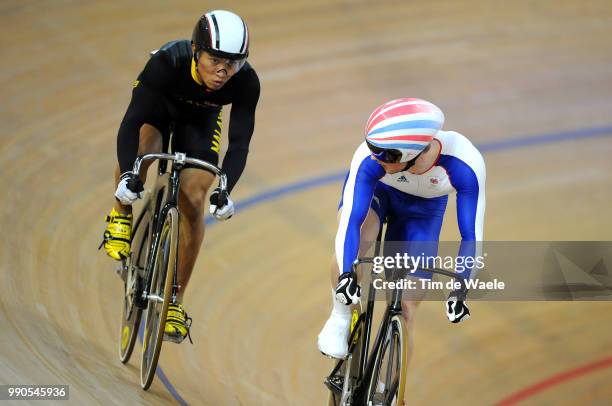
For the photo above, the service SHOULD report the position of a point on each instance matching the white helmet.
(223, 34)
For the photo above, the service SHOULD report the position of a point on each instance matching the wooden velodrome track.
(499, 70)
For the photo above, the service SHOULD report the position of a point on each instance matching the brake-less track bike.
(377, 377)
(149, 272)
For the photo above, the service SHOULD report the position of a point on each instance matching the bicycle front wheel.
(342, 384)
(162, 277)
(131, 310)
(388, 380)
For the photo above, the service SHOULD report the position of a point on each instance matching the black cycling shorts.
(197, 136)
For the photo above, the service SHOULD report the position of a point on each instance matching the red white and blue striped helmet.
(401, 129)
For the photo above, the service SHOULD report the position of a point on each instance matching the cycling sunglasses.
(389, 156)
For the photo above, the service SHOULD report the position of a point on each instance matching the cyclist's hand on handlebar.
(129, 189)
(221, 206)
(456, 308)
(348, 290)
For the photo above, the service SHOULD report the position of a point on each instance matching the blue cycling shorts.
(413, 223)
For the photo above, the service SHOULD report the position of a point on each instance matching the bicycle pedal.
(335, 383)
(122, 270)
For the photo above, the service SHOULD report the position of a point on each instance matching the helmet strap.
(410, 163)
(195, 73)
(196, 55)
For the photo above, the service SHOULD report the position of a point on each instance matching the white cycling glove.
(457, 310)
(129, 189)
(221, 206)
(348, 290)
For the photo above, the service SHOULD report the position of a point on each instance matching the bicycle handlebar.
(183, 159)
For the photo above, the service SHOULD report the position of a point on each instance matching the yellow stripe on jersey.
(216, 143)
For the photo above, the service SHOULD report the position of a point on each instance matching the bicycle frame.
(166, 192)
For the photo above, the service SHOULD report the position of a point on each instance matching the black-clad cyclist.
(182, 90)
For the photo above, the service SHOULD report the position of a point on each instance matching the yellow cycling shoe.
(117, 235)
(177, 324)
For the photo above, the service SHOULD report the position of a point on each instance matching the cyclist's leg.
(146, 122)
(401, 230)
(414, 229)
(332, 339)
(417, 237)
(141, 129)
(369, 232)
(369, 228)
(198, 139)
(192, 195)
(192, 200)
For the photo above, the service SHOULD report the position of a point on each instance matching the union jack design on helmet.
(401, 129)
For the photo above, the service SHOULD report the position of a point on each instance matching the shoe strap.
(118, 216)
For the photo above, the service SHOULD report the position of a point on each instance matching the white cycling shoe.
(333, 338)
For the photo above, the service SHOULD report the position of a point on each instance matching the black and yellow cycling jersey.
(169, 96)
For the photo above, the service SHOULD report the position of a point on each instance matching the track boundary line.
(555, 380)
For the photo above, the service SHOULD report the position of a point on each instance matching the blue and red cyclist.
(403, 173)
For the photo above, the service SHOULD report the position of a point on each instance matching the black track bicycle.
(149, 272)
(378, 376)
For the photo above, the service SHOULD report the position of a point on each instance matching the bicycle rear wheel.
(389, 376)
(162, 278)
(134, 265)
